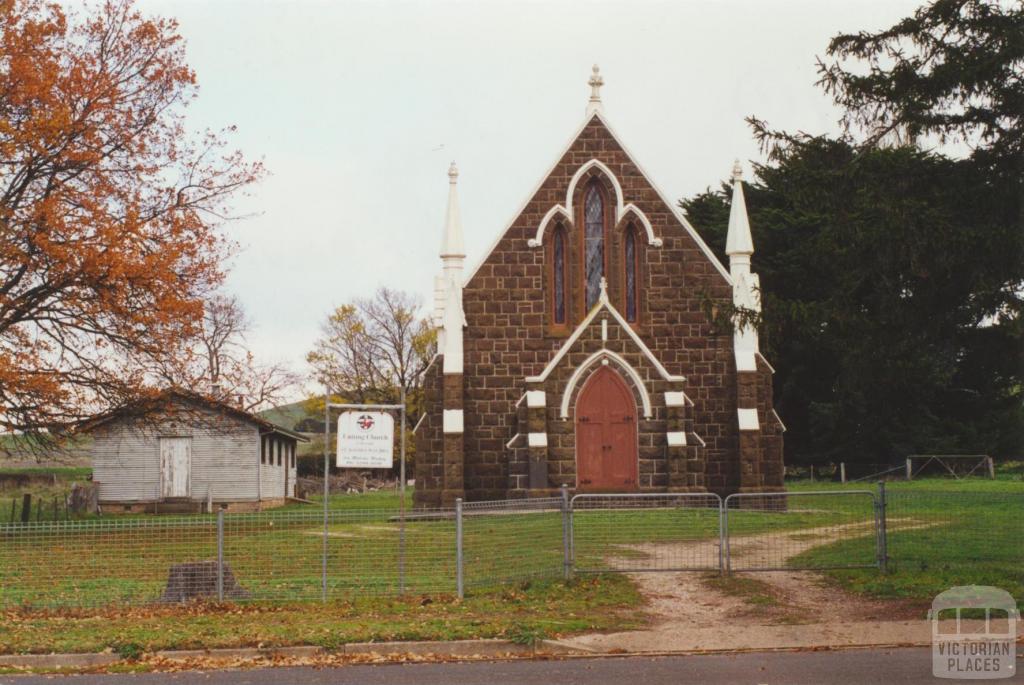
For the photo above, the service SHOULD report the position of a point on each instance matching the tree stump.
(198, 580)
(83, 498)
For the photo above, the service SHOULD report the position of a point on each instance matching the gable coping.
(675, 210)
(603, 302)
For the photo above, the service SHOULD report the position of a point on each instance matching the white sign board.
(366, 440)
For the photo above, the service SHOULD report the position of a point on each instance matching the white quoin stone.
(536, 398)
(747, 419)
(451, 421)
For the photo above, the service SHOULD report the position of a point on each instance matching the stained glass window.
(630, 258)
(593, 219)
(558, 265)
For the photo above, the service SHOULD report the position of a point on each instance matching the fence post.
(991, 467)
(721, 537)
(459, 579)
(220, 555)
(842, 472)
(883, 542)
(26, 508)
(566, 533)
(910, 470)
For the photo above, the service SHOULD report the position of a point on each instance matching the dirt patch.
(704, 610)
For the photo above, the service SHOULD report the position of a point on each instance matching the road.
(850, 667)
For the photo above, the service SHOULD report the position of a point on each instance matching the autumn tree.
(109, 208)
(372, 350)
(216, 361)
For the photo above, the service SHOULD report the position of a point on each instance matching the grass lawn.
(524, 613)
(68, 473)
(967, 532)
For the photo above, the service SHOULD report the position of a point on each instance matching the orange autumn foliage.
(109, 209)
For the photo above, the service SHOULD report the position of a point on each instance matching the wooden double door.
(606, 435)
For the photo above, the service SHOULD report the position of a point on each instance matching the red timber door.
(606, 445)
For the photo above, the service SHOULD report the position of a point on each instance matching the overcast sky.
(358, 108)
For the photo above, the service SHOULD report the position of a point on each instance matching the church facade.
(582, 350)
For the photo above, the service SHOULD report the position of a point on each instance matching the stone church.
(581, 349)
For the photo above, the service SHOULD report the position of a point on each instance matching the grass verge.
(529, 611)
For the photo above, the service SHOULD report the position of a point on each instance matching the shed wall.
(225, 456)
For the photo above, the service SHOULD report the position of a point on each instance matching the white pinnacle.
(738, 240)
(595, 83)
(451, 241)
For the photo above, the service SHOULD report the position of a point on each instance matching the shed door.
(606, 439)
(175, 460)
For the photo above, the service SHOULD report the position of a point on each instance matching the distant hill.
(297, 416)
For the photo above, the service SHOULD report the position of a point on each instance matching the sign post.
(366, 437)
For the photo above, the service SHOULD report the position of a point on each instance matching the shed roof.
(145, 405)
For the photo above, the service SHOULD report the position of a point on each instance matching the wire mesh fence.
(655, 532)
(301, 556)
(92, 562)
(939, 531)
(512, 540)
(772, 531)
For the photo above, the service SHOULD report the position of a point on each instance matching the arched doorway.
(606, 440)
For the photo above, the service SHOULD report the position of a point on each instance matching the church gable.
(596, 153)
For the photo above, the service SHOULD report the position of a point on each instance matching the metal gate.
(780, 531)
(775, 531)
(645, 532)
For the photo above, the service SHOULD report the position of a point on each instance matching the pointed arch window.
(558, 277)
(593, 243)
(630, 267)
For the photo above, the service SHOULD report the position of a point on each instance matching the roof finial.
(453, 173)
(595, 83)
(604, 290)
(737, 171)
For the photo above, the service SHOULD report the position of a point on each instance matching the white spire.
(451, 241)
(448, 312)
(746, 286)
(738, 241)
(595, 83)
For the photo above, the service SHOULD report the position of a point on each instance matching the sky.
(358, 108)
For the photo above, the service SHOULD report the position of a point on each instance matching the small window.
(558, 276)
(278, 452)
(292, 450)
(631, 264)
(263, 451)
